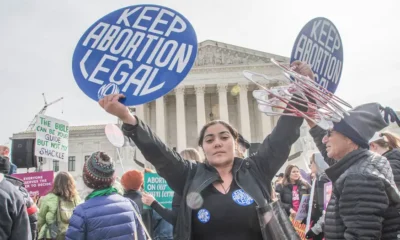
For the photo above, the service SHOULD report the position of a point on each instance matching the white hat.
(377, 136)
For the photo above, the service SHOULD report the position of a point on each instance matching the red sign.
(37, 183)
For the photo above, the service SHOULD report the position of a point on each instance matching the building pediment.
(213, 53)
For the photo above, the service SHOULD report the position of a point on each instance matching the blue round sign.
(141, 51)
(319, 44)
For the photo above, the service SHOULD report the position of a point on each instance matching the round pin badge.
(242, 198)
(203, 215)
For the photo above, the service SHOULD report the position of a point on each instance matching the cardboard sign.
(327, 193)
(37, 183)
(158, 187)
(141, 51)
(300, 228)
(51, 138)
(302, 211)
(319, 44)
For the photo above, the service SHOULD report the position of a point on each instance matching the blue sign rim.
(341, 42)
(84, 34)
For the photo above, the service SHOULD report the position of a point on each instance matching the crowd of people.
(226, 195)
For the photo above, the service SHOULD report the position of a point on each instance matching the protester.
(31, 208)
(318, 166)
(105, 214)
(57, 206)
(14, 223)
(279, 179)
(244, 145)
(364, 198)
(219, 197)
(388, 145)
(132, 182)
(4, 151)
(292, 189)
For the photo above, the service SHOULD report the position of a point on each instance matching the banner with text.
(37, 183)
(51, 138)
(319, 44)
(158, 187)
(141, 51)
(302, 211)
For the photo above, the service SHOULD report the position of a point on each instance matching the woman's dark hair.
(288, 170)
(64, 186)
(233, 131)
(389, 140)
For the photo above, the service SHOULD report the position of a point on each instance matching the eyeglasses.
(329, 132)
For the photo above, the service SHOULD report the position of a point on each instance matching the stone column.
(180, 118)
(139, 111)
(244, 112)
(201, 110)
(266, 121)
(223, 102)
(160, 118)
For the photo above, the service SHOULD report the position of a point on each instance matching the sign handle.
(120, 160)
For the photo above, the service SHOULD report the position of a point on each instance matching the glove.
(310, 234)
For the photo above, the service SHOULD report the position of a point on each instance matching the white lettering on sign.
(318, 50)
(136, 49)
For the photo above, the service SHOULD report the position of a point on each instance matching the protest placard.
(327, 193)
(37, 183)
(158, 187)
(141, 51)
(302, 211)
(51, 138)
(320, 45)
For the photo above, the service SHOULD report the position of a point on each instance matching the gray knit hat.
(364, 121)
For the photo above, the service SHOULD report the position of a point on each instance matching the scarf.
(101, 192)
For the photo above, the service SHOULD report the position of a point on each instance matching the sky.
(38, 39)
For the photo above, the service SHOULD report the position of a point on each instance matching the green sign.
(158, 187)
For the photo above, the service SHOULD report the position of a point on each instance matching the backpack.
(64, 213)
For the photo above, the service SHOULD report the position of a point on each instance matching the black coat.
(14, 223)
(393, 157)
(135, 196)
(285, 193)
(252, 174)
(365, 200)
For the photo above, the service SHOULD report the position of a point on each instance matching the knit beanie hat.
(363, 122)
(5, 164)
(98, 171)
(132, 180)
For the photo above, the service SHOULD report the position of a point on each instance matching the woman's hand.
(293, 213)
(303, 68)
(111, 104)
(147, 199)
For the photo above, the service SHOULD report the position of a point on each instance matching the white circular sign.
(114, 135)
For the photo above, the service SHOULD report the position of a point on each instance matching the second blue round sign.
(320, 45)
(141, 51)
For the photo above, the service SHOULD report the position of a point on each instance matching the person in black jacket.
(388, 145)
(132, 181)
(292, 190)
(14, 223)
(318, 167)
(365, 200)
(219, 197)
(31, 208)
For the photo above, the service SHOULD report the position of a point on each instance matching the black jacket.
(14, 223)
(394, 159)
(30, 205)
(184, 177)
(285, 193)
(365, 200)
(170, 215)
(135, 196)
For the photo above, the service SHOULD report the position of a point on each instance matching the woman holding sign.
(226, 197)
